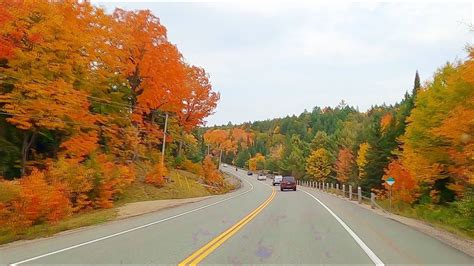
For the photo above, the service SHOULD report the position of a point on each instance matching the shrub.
(157, 175)
(211, 175)
(32, 201)
(194, 168)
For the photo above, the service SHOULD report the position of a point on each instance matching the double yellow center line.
(203, 252)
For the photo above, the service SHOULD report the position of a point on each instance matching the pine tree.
(417, 84)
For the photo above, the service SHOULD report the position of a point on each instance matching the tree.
(293, 162)
(257, 162)
(318, 164)
(405, 187)
(436, 149)
(344, 165)
(320, 140)
(49, 70)
(417, 84)
(362, 159)
(199, 100)
(242, 157)
(211, 175)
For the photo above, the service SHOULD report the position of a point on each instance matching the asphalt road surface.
(256, 224)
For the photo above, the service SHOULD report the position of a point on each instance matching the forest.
(85, 97)
(425, 142)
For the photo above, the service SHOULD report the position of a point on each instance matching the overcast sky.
(272, 60)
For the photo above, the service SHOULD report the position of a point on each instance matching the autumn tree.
(211, 174)
(318, 164)
(344, 165)
(361, 159)
(199, 100)
(257, 162)
(405, 187)
(437, 145)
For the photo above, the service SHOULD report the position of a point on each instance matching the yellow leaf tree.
(318, 164)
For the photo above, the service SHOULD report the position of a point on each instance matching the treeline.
(426, 142)
(84, 98)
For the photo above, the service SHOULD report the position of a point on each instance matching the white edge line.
(359, 241)
(135, 228)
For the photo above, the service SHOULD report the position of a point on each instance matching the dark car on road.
(288, 182)
(249, 173)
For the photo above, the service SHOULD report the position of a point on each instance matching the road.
(255, 224)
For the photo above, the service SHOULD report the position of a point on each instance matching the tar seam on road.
(212, 245)
(357, 239)
(133, 229)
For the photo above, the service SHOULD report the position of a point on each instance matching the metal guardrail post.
(350, 192)
(343, 190)
(359, 195)
(372, 200)
(332, 186)
(337, 187)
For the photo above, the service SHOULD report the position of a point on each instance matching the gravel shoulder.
(139, 208)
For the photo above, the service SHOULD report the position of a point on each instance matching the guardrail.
(344, 191)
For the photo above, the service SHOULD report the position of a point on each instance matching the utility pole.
(164, 139)
(220, 158)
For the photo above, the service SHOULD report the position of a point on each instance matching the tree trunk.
(28, 140)
(220, 159)
(180, 147)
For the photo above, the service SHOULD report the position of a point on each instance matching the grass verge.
(443, 217)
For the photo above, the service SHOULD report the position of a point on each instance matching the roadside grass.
(182, 185)
(443, 217)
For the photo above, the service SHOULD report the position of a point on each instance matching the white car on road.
(262, 177)
(277, 180)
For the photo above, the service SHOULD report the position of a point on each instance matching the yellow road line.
(204, 251)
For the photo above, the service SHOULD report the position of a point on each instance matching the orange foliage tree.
(32, 201)
(211, 174)
(344, 165)
(93, 86)
(405, 187)
(438, 142)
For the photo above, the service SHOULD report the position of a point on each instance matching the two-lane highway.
(255, 224)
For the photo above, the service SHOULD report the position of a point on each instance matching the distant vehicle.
(236, 169)
(249, 173)
(277, 180)
(262, 177)
(288, 182)
(224, 165)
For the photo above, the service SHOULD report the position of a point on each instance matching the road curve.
(306, 226)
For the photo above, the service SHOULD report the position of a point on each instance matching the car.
(277, 180)
(262, 177)
(288, 182)
(249, 173)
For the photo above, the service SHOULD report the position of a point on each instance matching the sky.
(272, 59)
